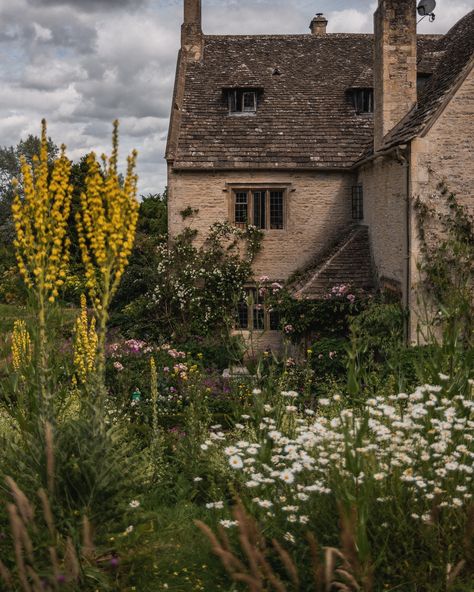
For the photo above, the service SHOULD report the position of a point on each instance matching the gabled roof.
(455, 54)
(347, 263)
(304, 119)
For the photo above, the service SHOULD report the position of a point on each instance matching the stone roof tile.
(455, 50)
(304, 119)
(348, 262)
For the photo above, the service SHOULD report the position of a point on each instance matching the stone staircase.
(348, 262)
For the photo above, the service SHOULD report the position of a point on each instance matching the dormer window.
(242, 101)
(362, 99)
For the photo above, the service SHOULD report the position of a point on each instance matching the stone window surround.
(252, 311)
(232, 188)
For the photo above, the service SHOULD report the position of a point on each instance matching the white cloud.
(342, 20)
(42, 33)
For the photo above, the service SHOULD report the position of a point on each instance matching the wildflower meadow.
(149, 444)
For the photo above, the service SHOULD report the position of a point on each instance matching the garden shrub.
(380, 327)
(329, 358)
(307, 319)
(195, 289)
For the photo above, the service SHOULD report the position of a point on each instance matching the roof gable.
(457, 54)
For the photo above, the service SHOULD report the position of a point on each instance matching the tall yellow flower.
(85, 344)
(106, 227)
(41, 217)
(22, 348)
(40, 214)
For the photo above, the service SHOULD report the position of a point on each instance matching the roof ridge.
(432, 36)
(285, 36)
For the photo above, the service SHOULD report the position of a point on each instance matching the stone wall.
(384, 182)
(444, 154)
(318, 209)
(394, 64)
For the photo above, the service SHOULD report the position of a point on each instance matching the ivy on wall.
(446, 235)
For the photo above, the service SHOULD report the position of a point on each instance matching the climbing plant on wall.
(446, 235)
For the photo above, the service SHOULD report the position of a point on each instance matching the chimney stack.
(318, 24)
(192, 38)
(394, 65)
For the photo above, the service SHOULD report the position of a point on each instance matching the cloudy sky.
(83, 63)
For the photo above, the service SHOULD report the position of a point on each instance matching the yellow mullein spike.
(85, 344)
(107, 222)
(22, 348)
(106, 225)
(41, 216)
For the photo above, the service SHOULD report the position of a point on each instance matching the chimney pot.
(319, 24)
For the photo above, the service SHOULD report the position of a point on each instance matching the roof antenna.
(426, 9)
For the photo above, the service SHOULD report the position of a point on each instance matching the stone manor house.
(321, 140)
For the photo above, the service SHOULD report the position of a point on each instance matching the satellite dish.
(426, 7)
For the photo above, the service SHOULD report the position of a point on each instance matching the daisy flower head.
(236, 462)
(287, 476)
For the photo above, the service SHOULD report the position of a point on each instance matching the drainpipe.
(408, 248)
(404, 157)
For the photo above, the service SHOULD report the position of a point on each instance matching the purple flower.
(135, 346)
(118, 366)
(114, 562)
(61, 579)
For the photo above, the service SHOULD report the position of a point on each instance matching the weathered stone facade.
(384, 183)
(391, 182)
(308, 136)
(318, 209)
(446, 151)
(395, 69)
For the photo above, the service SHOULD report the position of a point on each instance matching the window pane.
(241, 207)
(363, 100)
(259, 209)
(274, 320)
(259, 317)
(242, 315)
(233, 101)
(249, 102)
(276, 210)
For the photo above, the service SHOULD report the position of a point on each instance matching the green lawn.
(61, 323)
(63, 318)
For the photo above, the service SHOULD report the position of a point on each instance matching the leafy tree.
(152, 231)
